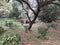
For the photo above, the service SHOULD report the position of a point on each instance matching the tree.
(40, 5)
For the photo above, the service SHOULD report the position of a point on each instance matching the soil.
(30, 38)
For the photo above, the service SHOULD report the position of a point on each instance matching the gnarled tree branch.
(26, 12)
(40, 4)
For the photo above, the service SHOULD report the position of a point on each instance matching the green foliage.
(10, 22)
(10, 38)
(2, 30)
(49, 14)
(42, 31)
(15, 13)
(53, 25)
(26, 27)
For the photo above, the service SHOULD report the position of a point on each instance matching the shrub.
(53, 25)
(26, 27)
(42, 31)
(48, 18)
(10, 38)
(8, 24)
(49, 14)
(2, 30)
(15, 12)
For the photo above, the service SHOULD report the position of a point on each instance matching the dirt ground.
(52, 38)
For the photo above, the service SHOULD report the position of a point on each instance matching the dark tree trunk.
(30, 26)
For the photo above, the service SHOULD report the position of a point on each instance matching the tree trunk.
(30, 26)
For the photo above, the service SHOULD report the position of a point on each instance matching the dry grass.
(31, 37)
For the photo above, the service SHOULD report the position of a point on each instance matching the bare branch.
(29, 6)
(26, 13)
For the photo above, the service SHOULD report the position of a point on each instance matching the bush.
(49, 14)
(8, 24)
(2, 30)
(26, 27)
(10, 38)
(53, 25)
(48, 18)
(42, 31)
(15, 12)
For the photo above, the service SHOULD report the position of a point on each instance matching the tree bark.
(30, 26)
